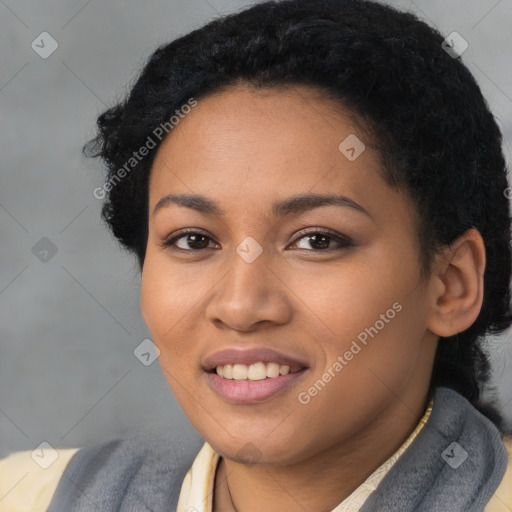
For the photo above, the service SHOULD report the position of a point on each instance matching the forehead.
(257, 141)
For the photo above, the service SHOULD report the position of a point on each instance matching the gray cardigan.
(454, 464)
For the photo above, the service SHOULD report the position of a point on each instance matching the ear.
(457, 285)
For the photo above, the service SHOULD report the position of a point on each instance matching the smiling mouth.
(256, 371)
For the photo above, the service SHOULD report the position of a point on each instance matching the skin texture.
(246, 149)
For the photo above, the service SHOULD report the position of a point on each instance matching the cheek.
(165, 304)
(166, 300)
(345, 300)
(373, 311)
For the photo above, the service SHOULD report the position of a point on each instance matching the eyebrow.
(291, 205)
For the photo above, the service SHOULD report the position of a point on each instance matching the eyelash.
(343, 241)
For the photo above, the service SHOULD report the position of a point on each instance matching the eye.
(193, 240)
(190, 239)
(320, 239)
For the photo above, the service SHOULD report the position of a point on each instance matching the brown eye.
(321, 240)
(188, 241)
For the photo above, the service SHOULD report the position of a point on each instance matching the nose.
(250, 295)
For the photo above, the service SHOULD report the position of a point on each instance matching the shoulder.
(28, 478)
(502, 498)
(146, 469)
(150, 467)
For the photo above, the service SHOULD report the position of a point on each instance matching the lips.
(251, 356)
(252, 389)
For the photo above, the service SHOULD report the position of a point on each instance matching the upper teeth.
(256, 371)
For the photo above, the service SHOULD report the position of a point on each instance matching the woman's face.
(330, 290)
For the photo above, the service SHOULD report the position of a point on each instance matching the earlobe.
(458, 285)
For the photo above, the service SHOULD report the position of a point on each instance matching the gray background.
(68, 326)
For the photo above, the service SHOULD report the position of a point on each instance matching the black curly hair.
(435, 133)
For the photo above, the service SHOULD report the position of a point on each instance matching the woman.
(315, 191)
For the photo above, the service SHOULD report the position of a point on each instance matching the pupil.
(194, 239)
(323, 244)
